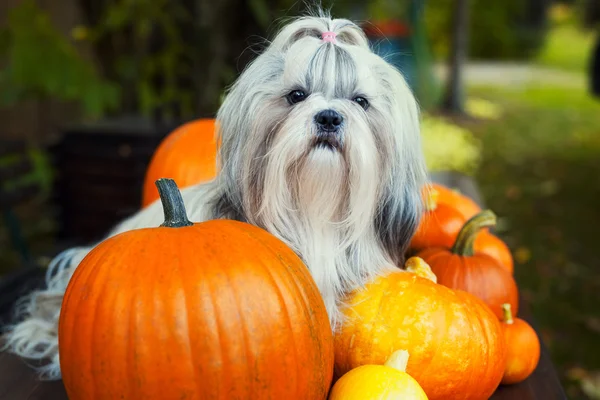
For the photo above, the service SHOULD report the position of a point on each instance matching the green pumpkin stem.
(466, 237)
(507, 314)
(172, 202)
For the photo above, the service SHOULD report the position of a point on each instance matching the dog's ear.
(237, 120)
(396, 222)
(401, 204)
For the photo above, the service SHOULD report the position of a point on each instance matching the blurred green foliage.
(499, 29)
(140, 63)
(448, 146)
(378, 10)
(41, 63)
(567, 45)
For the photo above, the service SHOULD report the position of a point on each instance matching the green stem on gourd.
(466, 237)
(398, 360)
(507, 314)
(172, 202)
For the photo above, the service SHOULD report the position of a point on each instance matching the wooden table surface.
(18, 381)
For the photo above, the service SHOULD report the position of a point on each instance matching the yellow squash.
(379, 382)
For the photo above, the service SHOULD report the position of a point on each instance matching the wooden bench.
(18, 381)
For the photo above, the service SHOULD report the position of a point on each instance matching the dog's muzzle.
(328, 133)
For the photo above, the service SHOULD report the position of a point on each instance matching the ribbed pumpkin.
(462, 268)
(216, 310)
(379, 382)
(455, 342)
(453, 198)
(523, 348)
(188, 155)
(439, 224)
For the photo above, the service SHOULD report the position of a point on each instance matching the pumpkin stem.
(466, 237)
(172, 202)
(398, 360)
(507, 314)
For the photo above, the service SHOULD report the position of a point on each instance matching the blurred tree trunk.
(454, 98)
(592, 13)
(225, 28)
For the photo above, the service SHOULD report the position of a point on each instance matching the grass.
(567, 46)
(540, 173)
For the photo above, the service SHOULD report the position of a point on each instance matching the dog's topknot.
(347, 32)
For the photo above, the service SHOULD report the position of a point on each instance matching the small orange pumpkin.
(455, 199)
(523, 348)
(188, 155)
(455, 342)
(493, 246)
(462, 268)
(216, 310)
(439, 224)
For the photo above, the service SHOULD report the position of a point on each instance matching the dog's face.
(322, 130)
(325, 133)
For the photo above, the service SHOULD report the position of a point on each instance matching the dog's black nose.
(329, 120)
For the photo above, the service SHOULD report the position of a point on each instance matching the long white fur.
(349, 214)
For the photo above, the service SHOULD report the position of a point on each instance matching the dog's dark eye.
(361, 101)
(296, 96)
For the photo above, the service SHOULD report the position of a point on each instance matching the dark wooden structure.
(18, 381)
(100, 170)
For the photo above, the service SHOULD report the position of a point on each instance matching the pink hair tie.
(329, 37)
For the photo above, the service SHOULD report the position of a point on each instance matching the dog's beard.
(319, 198)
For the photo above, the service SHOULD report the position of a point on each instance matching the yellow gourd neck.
(398, 360)
(431, 199)
(419, 267)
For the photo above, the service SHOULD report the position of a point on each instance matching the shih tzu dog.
(320, 146)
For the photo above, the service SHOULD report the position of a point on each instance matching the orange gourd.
(188, 155)
(215, 310)
(523, 348)
(493, 246)
(439, 224)
(455, 342)
(453, 198)
(460, 267)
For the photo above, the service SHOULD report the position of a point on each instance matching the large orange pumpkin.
(188, 155)
(216, 310)
(460, 267)
(439, 224)
(453, 198)
(455, 342)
